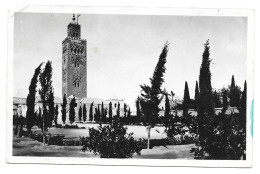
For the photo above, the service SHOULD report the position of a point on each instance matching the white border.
(131, 11)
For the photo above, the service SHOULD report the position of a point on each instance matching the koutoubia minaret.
(74, 61)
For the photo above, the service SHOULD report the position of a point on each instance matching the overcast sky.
(122, 51)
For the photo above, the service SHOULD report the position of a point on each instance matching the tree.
(103, 113)
(167, 111)
(216, 99)
(225, 102)
(98, 114)
(46, 88)
(80, 113)
(84, 113)
(56, 114)
(150, 99)
(196, 97)
(51, 108)
(186, 100)
(118, 110)
(110, 113)
(64, 109)
(125, 109)
(234, 94)
(73, 104)
(112, 141)
(129, 115)
(30, 100)
(138, 110)
(91, 112)
(242, 108)
(206, 105)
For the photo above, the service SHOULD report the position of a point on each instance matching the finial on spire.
(73, 18)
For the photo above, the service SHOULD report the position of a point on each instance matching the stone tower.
(74, 62)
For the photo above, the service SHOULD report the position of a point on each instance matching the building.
(74, 62)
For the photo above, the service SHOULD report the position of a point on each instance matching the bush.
(58, 126)
(112, 141)
(73, 127)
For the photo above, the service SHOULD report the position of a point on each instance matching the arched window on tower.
(76, 83)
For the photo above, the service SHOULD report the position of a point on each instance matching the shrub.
(73, 127)
(112, 141)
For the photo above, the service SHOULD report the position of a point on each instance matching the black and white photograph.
(139, 86)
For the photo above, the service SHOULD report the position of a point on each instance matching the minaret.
(74, 62)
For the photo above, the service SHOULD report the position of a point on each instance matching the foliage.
(234, 93)
(103, 114)
(206, 106)
(216, 99)
(56, 114)
(167, 116)
(138, 109)
(112, 141)
(110, 113)
(30, 100)
(91, 112)
(118, 110)
(46, 88)
(150, 98)
(73, 104)
(84, 113)
(196, 97)
(186, 99)
(51, 108)
(80, 113)
(64, 109)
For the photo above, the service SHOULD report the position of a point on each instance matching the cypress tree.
(30, 100)
(103, 113)
(138, 111)
(186, 99)
(98, 114)
(64, 109)
(46, 88)
(56, 114)
(84, 113)
(216, 98)
(242, 108)
(196, 97)
(151, 94)
(72, 110)
(91, 112)
(125, 109)
(80, 113)
(234, 94)
(225, 102)
(129, 115)
(110, 113)
(206, 106)
(118, 110)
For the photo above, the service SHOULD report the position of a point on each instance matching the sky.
(123, 50)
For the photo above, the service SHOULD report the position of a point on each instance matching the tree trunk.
(148, 140)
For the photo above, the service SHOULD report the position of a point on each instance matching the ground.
(25, 147)
(139, 131)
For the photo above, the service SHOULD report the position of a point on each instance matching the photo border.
(250, 14)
